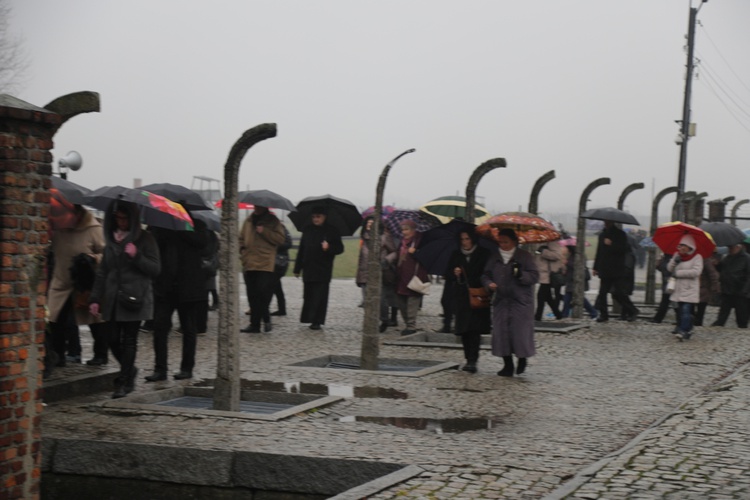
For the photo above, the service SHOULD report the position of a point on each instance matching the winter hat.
(688, 240)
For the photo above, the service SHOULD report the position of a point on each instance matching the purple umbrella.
(385, 211)
(424, 221)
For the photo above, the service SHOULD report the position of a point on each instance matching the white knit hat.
(688, 240)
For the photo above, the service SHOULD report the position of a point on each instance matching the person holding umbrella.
(122, 293)
(734, 276)
(261, 235)
(319, 245)
(686, 267)
(610, 266)
(511, 275)
(465, 269)
(406, 268)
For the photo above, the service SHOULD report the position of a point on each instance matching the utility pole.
(685, 123)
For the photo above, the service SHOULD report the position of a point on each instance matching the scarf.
(467, 253)
(506, 254)
(404, 250)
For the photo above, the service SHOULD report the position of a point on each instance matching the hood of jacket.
(110, 224)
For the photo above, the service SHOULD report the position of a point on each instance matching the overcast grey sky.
(589, 88)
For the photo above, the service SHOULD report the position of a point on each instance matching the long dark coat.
(610, 259)
(182, 278)
(315, 264)
(117, 268)
(468, 319)
(512, 304)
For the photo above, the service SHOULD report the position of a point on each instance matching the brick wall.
(25, 166)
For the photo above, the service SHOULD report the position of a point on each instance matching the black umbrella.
(265, 198)
(724, 233)
(156, 210)
(612, 214)
(340, 213)
(187, 197)
(211, 218)
(70, 190)
(437, 245)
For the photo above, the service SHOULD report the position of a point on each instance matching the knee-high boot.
(507, 370)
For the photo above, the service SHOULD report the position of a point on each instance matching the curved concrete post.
(227, 383)
(736, 208)
(370, 351)
(626, 192)
(471, 186)
(579, 265)
(679, 210)
(694, 218)
(74, 104)
(651, 251)
(538, 185)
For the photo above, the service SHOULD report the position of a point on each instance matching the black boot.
(130, 380)
(157, 376)
(521, 366)
(507, 370)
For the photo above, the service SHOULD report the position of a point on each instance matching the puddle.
(438, 426)
(296, 387)
(391, 366)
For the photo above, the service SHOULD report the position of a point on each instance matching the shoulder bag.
(417, 285)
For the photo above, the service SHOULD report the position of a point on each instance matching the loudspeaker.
(72, 160)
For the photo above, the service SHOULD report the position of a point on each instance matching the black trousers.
(471, 341)
(315, 302)
(663, 308)
(544, 296)
(259, 286)
(616, 287)
(447, 301)
(278, 292)
(65, 335)
(740, 306)
(189, 313)
(123, 340)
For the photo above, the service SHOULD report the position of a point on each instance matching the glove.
(516, 270)
(677, 258)
(131, 250)
(94, 309)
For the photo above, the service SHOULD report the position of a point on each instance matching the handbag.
(556, 278)
(479, 298)
(671, 282)
(417, 285)
(129, 301)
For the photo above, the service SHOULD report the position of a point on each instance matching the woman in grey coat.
(511, 274)
(122, 293)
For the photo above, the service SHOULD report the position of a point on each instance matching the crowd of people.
(115, 275)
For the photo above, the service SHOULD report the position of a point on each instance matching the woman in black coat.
(320, 244)
(465, 269)
(123, 294)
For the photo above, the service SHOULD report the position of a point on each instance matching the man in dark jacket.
(734, 276)
(319, 245)
(610, 266)
(181, 285)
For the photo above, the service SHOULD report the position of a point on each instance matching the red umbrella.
(668, 236)
(61, 211)
(529, 228)
(241, 205)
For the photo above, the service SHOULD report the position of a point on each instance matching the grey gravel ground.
(615, 410)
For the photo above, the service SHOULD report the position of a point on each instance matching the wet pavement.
(614, 410)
